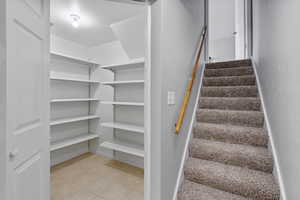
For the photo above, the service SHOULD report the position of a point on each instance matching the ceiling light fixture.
(75, 20)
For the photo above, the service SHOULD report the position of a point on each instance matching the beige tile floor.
(94, 177)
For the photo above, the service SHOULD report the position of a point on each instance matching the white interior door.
(221, 25)
(240, 29)
(226, 29)
(27, 116)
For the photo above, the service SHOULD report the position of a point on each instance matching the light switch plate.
(171, 98)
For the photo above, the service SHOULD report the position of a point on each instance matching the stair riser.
(230, 104)
(251, 119)
(256, 158)
(234, 136)
(229, 81)
(229, 92)
(237, 63)
(194, 191)
(241, 71)
(224, 184)
(248, 183)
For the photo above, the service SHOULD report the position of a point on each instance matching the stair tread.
(229, 91)
(231, 134)
(257, 158)
(233, 87)
(234, 117)
(230, 103)
(226, 64)
(233, 71)
(241, 181)
(233, 98)
(231, 111)
(194, 191)
(235, 77)
(229, 80)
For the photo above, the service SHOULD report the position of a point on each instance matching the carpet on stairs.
(228, 154)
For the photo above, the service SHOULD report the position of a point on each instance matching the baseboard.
(277, 171)
(185, 155)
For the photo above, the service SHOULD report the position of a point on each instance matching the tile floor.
(94, 177)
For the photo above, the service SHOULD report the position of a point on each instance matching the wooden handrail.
(191, 84)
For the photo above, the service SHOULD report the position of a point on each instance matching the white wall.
(3, 152)
(109, 53)
(221, 28)
(68, 48)
(176, 29)
(131, 33)
(276, 52)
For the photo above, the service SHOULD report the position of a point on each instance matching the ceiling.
(96, 16)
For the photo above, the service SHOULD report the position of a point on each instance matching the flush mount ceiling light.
(75, 20)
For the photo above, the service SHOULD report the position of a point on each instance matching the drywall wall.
(109, 53)
(68, 48)
(276, 52)
(131, 33)
(156, 100)
(3, 152)
(176, 29)
(221, 28)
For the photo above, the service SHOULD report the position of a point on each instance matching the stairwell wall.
(276, 30)
(176, 29)
(3, 101)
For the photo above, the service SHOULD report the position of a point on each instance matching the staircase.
(229, 159)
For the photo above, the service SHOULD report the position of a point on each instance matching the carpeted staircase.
(229, 159)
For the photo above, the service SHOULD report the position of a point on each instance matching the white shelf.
(114, 83)
(93, 64)
(74, 119)
(73, 100)
(124, 126)
(123, 103)
(124, 147)
(73, 79)
(134, 64)
(72, 141)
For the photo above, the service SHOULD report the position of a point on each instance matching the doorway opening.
(97, 70)
(230, 29)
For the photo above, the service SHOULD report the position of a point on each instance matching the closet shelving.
(124, 126)
(72, 119)
(117, 145)
(74, 140)
(134, 64)
(120, 103)
(73, 106)
(125, 148)
(73, 100)
(116, 83)
(52, 77)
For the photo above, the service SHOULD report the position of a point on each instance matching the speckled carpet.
(229, 157)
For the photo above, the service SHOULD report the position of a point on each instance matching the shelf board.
(134, 64)
(71, 141)
(73, 80)
(124, 147)
(74, 119)
(92, 64)
(123, 103)
(114, 83)
(73, 100)
(124, 126)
